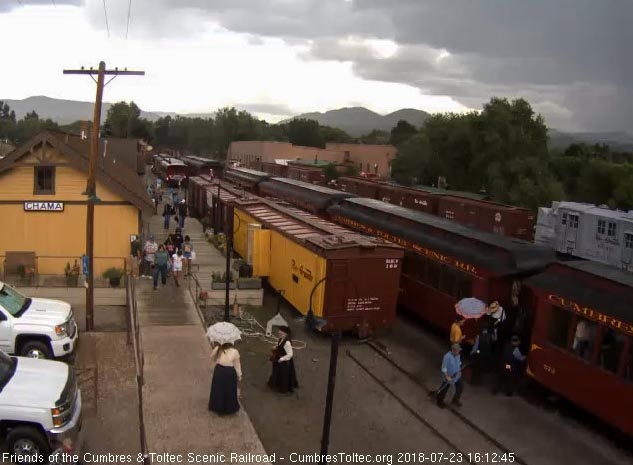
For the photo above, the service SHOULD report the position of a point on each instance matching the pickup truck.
(33, 327)
(40, 408)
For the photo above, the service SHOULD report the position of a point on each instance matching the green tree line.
(503, 151)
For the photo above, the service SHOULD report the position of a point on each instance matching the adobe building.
(369, 158)
(44, 209)
(373, 159)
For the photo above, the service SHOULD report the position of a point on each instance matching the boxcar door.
(627, 250)
(571, 232)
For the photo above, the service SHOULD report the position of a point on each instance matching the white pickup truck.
(40, 409)
(33, 327)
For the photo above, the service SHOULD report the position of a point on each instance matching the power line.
(129, 10)
(54, 4)
(105, 12)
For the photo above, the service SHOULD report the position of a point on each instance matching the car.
(35, 327)
(40, 408)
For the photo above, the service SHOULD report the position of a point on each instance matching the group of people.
(492, 350)
(227, 373)
(174, 255)
(174, 206)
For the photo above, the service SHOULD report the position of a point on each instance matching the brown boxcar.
(582, 341)
(341, 280)
(310, 175)
(414, 199)
(488, 216)
(274, 169)
(359, 186)
(444, 261)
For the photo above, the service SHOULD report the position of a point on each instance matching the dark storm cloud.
(561, 54)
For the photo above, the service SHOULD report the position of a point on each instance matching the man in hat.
(182, 213)
(452, 376)
(510, 368)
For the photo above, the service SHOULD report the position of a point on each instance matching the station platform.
(177, 366)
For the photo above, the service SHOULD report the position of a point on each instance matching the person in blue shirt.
(511, 367)
(451, 376)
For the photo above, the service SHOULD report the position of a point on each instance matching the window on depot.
(559, 326)
(44, 180)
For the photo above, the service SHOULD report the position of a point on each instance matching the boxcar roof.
(572, 286)
(525, 255)
(249, 172)
(312, 187)
(436, 190)
(305, 228)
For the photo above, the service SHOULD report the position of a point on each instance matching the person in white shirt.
(283, 378)
(227, 373)
(176, 261)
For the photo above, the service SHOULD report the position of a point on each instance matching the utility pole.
(91, 187)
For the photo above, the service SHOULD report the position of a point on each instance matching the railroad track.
(453, 440)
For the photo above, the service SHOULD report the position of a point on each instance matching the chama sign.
(43, 206)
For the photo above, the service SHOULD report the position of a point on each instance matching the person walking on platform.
(283, 377)
(177, 239)
(187, 253)
(182, 213)
(457, 336)
(136, 255)
(452, 376)
(227, 373)
(176, 261)
(167, 212)
(481, 355)
(510, 367)
(160, 266)
(148, 251)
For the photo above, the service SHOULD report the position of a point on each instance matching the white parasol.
(224, 333)
(471, 307)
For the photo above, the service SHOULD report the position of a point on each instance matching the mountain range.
(356, 121)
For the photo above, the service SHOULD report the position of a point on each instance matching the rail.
(134, 339)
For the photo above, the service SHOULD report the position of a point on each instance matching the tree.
(124, 121)
(375, 137)
(336, 135)
(410, 165)
(305, 132)
(401, 132)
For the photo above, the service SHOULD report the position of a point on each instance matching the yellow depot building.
(43, 206)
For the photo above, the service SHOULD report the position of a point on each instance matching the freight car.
(493, 217)
(455, 206)
(245, 178)
(307, 172)
(197, 196)
(203, 166)
(274, 169)
(583, 331)
(445, 261)
(310, 197)
(588, 231)
(343, 280)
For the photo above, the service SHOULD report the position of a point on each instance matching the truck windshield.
(7, 368)
(12, 300)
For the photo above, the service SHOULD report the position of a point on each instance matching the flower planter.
(72, 281)
(115, 282)
(249, 283)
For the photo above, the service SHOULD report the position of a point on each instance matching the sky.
(571, 59)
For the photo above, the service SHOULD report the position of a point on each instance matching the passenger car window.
(628, 369)
(559, 325)
(433, 274)
(448, 281)
(611, 349)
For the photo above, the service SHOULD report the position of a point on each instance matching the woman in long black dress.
(283, 378)
(226, 375)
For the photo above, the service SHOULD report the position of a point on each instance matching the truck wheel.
(36, 349)
(26, 441)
